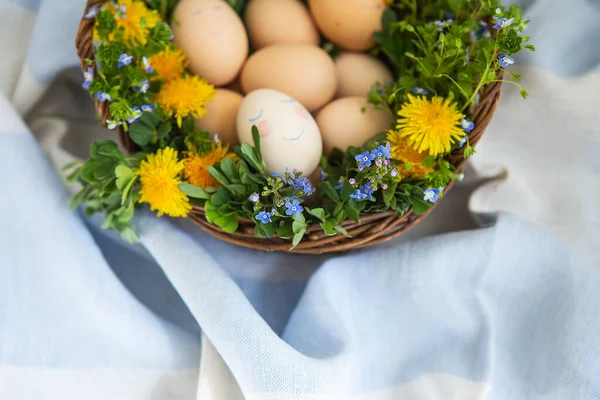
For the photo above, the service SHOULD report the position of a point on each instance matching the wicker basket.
(373, 229)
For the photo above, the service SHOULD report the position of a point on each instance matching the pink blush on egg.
(264, 128)
(301, 111)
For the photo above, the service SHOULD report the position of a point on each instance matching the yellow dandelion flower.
(134, 21)
(169, 64)
(185, 96)
(430, 125)
(159, 175)
(403, 152)
(196, 171)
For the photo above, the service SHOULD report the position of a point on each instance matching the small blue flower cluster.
(292, 204)
(377, 166)
(467, 126)
(366, 159)
(143, 86)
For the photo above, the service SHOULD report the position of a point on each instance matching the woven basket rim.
(374, 228)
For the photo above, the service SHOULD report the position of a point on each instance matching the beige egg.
(349, 23)
(213, 37)
(279, 22)
(357, 73)
(221, 116)
(304, 72)
(290, 137)
(343, 123)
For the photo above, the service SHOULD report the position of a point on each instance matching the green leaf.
(265, 230)
(163, 130)
(129, 235)
(194, 192)
(70, 165)
(228, 168)
(127, 189)
(220, 197)
(249, 154)
(88, 170)
(317, 212)
(256, 140)
(228, 223)
(218, 176)
(328, 227)
(123, 171)
(341, 230)
(352, 213)
(211, 212)
(329, 191)
(389, 193)
(238, 190)
(141, 134)
(469, 151)
(298, 237)
(285, 231)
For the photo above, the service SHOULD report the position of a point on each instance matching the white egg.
(290, 137)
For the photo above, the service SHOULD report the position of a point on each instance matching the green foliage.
(109, 186)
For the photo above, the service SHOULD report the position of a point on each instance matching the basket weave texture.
(373, 229)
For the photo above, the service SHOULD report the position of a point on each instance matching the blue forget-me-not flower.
(135, 115)
(148, 107)
(365, 159)
(467, 125)
(124, 59)
(304, 184)
(506, 60)
(88, 77)
(503, 23)
(146, 65)
(418, 90)
(112, 124)
(91, 13)
(103, 96)
(293, 208)
(431, 195)
(263, 217)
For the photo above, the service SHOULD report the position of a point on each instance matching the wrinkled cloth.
(509, 311)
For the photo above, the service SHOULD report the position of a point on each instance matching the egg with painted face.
(213, 37)
(290, 137)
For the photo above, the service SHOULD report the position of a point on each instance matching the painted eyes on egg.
(376, 6)
(259, 116)
(290, 100)
(215, 8)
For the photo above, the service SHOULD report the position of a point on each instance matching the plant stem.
(479, 85)
(457, 85)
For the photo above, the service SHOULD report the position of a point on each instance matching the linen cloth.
(506, 312)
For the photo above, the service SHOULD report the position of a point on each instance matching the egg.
(290, 137)
(349, 23)
(279, 22)
(221, 116)
(343, 123)
(357, 73)
(305, 72)
(213, 38)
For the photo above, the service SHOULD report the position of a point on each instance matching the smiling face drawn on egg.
(290, 137)
(212, 19)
